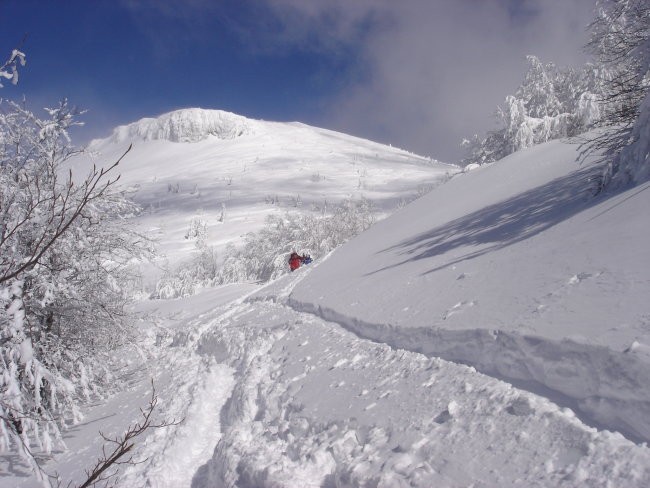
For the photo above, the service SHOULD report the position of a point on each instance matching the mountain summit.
(187, 125)
(232, 172)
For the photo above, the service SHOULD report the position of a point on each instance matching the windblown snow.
(492, 333)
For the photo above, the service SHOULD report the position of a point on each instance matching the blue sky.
(419, 74)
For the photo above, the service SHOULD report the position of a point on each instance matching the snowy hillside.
(492, 333)
(232, 172)
(515, 269)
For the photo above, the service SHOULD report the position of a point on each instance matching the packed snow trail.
(190, 386)
(273, 397)
(313, 405)
(319, 407)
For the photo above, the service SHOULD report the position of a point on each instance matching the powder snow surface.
(518, 270)
(346, 372)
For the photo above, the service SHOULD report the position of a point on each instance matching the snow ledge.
(609, 389)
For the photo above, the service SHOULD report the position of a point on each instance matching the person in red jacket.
(294, 261)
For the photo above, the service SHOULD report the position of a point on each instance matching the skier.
(294, 261)
(305, 258)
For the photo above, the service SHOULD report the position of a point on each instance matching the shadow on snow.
(505, 223)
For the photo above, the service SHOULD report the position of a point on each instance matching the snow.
(187, 125)
(492, 333)
(456, 428)
(233, 183)
(517, 270)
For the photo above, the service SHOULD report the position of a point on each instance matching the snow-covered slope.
(274, 397)
(232, 172)
(514, 268)
(518, 270)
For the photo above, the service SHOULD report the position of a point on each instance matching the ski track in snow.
(389, 417)
(275, 397)
(277, 392)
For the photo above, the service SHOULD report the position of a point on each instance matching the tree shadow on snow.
(505, 223)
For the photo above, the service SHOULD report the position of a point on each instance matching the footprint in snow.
(442, 417)
(447, 414)
(520, 408)
(562, 290)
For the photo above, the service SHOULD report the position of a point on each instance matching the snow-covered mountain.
(232, 172)
(452, 344)
(187, 125)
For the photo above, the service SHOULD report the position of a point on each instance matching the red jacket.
(294, 262)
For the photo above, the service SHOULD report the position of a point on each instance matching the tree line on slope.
(610, 94)
(263, 255)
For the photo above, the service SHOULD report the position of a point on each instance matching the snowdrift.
(516, 269)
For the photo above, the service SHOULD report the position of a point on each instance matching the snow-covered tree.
(9, 69)
(550, 103)
(263, 255)
(612, 94)
(620, 38)
(198, 229)
(538, 92)
(64, 258)
(185, 280)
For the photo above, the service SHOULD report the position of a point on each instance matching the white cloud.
(426, 72)
(433, 70)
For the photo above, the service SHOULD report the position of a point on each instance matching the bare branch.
(90, 193)
(124, 445)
